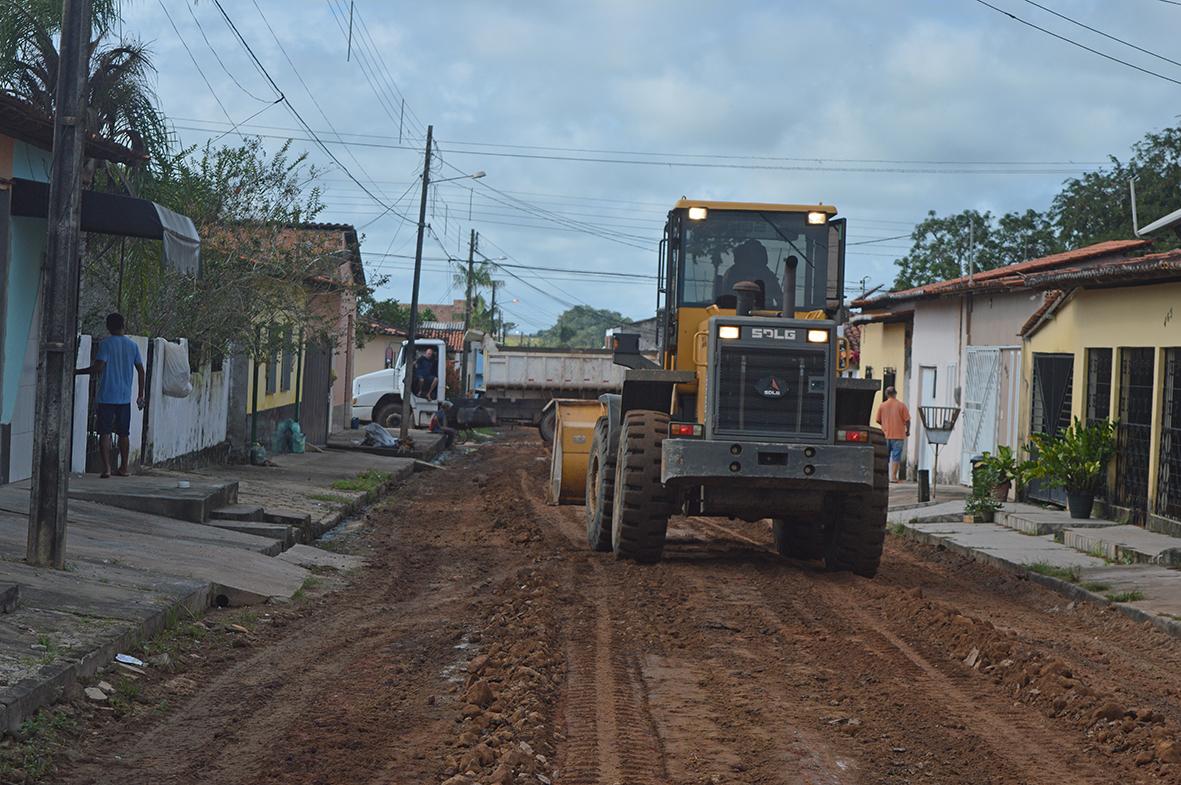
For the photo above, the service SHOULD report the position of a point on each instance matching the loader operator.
(750, 264)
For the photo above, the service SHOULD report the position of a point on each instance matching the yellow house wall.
(1131, 317)
(279, 398)
(884, 346)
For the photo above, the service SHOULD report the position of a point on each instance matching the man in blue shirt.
(115, 360)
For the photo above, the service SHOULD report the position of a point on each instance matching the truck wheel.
(641, 504)
(798, 539)
(856, 532)
(545, 427)
(388, 415)
(600, 488)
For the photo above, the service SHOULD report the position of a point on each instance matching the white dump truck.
(519, 382)
(377, 396)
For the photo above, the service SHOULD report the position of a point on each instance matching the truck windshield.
(738, 245)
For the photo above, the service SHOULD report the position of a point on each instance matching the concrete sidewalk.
(1094, 559)
(129, 572)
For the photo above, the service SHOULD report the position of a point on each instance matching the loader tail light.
(853, 436)
(685, 429)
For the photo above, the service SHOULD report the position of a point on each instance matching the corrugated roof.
(1049, 304)
(1007, 277)
(1141, 269)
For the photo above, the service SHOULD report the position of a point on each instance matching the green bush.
(1075, 459)
(984, 480)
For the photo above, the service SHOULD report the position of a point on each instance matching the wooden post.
(53, 417)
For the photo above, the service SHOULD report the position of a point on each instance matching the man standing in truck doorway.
(894, 418)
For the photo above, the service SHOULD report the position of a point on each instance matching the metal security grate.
(1134, 435)
(1168, 493)
(1098, 384)
(801, 383)
(1053, 377)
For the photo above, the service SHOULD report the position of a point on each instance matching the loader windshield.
(730, 246)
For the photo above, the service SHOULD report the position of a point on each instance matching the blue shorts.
(112, 418)
(896, 446)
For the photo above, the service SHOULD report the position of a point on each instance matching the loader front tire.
(600, 488)
(856, 533)
(642, 505)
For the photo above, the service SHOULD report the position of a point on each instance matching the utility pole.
(408, 363)
(467, 313)
(492, 310)
(53, 416)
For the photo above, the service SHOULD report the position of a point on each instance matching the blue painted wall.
(26, 252)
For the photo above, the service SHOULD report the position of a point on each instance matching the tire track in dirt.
(611, 737)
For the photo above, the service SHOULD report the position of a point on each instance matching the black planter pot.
(1080, 504)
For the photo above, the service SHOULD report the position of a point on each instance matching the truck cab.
(377, 396)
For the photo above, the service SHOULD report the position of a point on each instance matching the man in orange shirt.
(894, 418)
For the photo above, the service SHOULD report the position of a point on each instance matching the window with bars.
(288, 362)
(1168, 486)
(1134, 433)
(1098, 384)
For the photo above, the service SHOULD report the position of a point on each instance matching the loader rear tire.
(642, 504)
(547, 424)
(600, 488)
(856, 533)
(798, 539)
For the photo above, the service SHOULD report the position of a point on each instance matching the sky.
(886, 109)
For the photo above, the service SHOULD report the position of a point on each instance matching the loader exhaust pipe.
(746, 293)
(789, 287)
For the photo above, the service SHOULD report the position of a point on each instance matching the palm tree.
(121, 104)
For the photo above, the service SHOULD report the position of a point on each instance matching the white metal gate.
(981, 381)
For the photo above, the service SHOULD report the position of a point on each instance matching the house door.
(316, 392)
(1134, 433)
(980, 406)
(928, 384)
(1168, 479)
(1053, 378)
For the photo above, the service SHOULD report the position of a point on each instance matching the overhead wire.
(1105, 35)
(1072, 42)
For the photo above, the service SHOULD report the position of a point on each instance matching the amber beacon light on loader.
(744, 413)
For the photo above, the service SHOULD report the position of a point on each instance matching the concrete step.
(308, 556)
(931, 512)
(1037, 521)
(238, 512)
(992, 541)
(283, 536)
(10, 595)
(156, 495)
(300, 522)
(1123, 543)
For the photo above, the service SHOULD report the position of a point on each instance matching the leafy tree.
(1097, 206)
(264, 281)
(121, 104)
(581, 327)
(941, 247)
(390, 313)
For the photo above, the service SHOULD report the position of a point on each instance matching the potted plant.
(982, 504)
(1005, 470)
(1075, 460)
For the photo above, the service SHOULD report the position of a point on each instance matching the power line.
(1072, 42)
(880, 240)
(999, 170)
(299, 118)
(1100, 32)
(217, 57)
(197, 65)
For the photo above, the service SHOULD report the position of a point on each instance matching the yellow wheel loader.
(746, 414)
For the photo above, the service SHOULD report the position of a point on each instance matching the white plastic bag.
(175, 380)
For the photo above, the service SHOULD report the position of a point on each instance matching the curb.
(1065, 588)
(22, 700)
(334, 518)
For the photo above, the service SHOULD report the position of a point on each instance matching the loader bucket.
(570, 450)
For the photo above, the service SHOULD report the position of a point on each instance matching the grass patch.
(29, 758)
(1061, 573)
(365, 482)
(1095, 586)
(1126, 596)
(330, 498)
(898, 529)
(309, 583)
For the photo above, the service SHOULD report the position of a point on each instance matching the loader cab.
(708, 247)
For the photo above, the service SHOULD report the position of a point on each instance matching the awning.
(124, 216)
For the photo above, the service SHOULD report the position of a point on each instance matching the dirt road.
(486, 637)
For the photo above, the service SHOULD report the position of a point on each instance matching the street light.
(408, 361)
